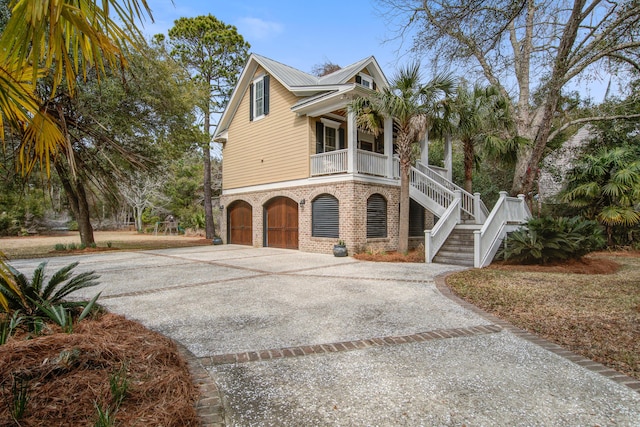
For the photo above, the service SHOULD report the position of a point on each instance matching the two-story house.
(298, 174)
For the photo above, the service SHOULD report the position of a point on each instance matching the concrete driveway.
(297, 339)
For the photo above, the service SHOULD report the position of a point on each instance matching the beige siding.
(274, 148)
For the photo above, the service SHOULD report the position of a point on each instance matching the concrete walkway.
(285, 338)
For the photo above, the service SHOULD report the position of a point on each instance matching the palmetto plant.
(37, 297)
(412, 105)
(605, 186)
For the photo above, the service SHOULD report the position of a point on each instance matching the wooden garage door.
(240, 224)
(282, 223)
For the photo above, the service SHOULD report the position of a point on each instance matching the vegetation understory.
(107, 365)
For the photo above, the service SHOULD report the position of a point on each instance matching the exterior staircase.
(458, 248)
(466, 233)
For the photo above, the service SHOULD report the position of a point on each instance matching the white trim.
(330, 123)
(255, 104)
(312, 181)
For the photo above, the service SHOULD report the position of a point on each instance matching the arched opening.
(240, 223)
(281, 223)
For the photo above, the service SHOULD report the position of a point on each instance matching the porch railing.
(329, 163)
(508, 214)
(372, 163)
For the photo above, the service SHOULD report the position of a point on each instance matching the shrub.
(36, 298)
(546, 239)
(60, 247)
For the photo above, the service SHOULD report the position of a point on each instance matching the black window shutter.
(341, 141)
(416, 219)
(319, 138)
(325, 217)
(251, 102)
(266, 94)
(359, 80)
(376, 217)
(374, 85)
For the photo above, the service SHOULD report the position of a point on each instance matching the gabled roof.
(304, 85)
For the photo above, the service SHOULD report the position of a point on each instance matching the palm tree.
(411, 104)
(606, 186)
(59, 38)
(480, 116)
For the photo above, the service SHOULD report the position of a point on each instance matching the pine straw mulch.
(68, 374)
(594, 315)
(414, 255)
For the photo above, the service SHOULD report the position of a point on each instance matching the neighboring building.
(298, 174)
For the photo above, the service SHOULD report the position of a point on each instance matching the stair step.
(454, 261)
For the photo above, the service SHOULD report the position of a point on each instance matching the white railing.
(435, 238)
(507, 215)
(471, 203)
(430, 188)
(372, 163)
(329, 163)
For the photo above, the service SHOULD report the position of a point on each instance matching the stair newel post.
(427, 247)
(477, 248)
(457, 194)
(523, 204)
(477, 211)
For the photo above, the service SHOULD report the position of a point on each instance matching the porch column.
(352, 141)
(448, 162)
(424, 149)
(388, 145)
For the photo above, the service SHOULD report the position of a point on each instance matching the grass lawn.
(594, 315)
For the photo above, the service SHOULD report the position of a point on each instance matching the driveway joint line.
(344, 346)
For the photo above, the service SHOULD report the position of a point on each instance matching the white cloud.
(256, 28)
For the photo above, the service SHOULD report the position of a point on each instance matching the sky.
(297, 33)
(304, 34)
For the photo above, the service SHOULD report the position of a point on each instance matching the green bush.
(60, 247)
(546, 239)
(36, 298)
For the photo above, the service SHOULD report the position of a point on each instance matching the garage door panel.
(241, 224)
(282, 223)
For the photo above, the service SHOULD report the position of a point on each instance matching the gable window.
(366, 81)
(376, 217)
(329, 136)
(259, 94)
(325, 217)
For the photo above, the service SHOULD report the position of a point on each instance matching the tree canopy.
(213, 53)
(529, 49)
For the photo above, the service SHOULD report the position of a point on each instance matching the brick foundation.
(352, 196)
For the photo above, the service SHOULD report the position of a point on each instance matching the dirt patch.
(68, 375)
(586, 265)
(44, 246)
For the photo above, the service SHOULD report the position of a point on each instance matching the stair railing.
(435, 238)
(430, 188)
(471, 203)
(508, 214)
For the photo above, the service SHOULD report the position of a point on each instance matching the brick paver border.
(599, 368)
(305, 350)
(209, 406)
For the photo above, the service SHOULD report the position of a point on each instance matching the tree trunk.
(77, 197)
(468, 165)
(206, 152)
(403, 226)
